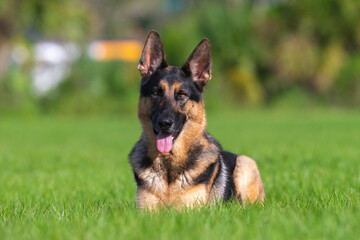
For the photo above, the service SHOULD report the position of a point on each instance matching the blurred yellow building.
(125, 50)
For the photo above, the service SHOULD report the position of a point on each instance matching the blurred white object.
(52, 64)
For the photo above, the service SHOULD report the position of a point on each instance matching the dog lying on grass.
(176, 162)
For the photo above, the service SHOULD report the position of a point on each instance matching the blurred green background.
(285, 91)
(268, 53)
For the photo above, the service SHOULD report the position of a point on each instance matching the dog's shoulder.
(138, 156)
(138, 151)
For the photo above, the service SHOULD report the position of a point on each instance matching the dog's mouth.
(164, 141)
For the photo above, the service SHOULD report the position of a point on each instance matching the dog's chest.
(171, 179)
(165, 177)
(176, 189)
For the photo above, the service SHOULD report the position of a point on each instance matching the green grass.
(69, 178)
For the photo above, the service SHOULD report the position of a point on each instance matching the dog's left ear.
(198, 65)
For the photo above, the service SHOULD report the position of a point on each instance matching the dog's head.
(171, 97)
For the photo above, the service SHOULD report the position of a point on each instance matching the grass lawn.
(69, 178)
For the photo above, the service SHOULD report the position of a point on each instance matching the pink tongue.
(164, 142)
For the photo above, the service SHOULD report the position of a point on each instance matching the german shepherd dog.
(176, 162)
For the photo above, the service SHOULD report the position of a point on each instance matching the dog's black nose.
(165, 124)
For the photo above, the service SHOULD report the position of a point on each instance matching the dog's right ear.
(153, 55)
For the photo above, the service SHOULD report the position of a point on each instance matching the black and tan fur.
(196, 171)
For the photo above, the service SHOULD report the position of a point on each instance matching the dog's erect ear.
(153, 55)
(198, 65)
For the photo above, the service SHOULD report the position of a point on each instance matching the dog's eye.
(181, 95)
(156, 93)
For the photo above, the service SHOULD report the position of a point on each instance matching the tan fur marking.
(165, 86)
(193, 196)
(186, 179)
(248, 184)
(148, 135)
(147, 200)
(176, 87)
(193, 130)
(205, 161)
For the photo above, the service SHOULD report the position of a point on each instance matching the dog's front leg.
(147, 200)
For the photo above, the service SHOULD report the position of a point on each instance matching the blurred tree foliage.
(263, 51)
(55, 19)
(93, 87)
(27, 21)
